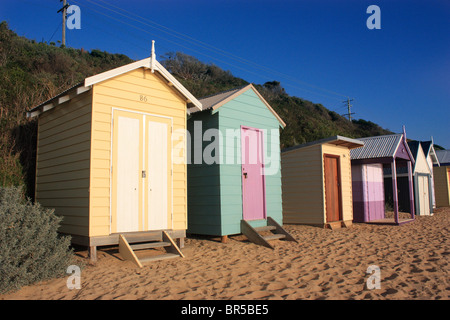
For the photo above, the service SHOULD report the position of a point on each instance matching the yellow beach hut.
(442, 178)
(105, 158)
(317, 182)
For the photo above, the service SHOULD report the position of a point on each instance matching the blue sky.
(319, 50)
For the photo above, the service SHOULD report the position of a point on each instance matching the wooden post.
(93, 253)
(224, 239)
(394, 190)
(64, 23)
(411, 190)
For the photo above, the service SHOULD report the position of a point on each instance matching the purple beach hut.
(368, 162)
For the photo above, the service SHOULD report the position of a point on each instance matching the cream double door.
(141, 172)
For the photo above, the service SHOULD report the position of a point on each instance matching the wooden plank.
(126, 252)
(174, 248)
(274, 237)
(253, 235)
(279, 229)
(160, 257)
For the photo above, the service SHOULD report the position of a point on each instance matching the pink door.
(253, 183)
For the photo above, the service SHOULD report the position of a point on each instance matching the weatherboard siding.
(203, 179)
(63, 165)
(124, 92)
(442, 185)
(215, 190)
(248, 110)
(303, 186)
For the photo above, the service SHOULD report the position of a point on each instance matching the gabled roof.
(426, 146)
(68, 94)
(443, 157)
(414, 146)
(377, 147)
(428, 150)
(336, 140)
(380, 147)
(215, 101)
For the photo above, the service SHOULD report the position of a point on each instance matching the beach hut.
(317, 182)
(105, 160)
(422, 177)
(388, 151)
(442, 178)
(432, 160)
(234, 181)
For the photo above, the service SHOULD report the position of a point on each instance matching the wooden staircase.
(128, 250)
(338, 224)
(262, 235)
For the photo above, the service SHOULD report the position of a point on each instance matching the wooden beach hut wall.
(442, 178)
(389, 151)
(105, 160)
(317, 182)
(234, 181)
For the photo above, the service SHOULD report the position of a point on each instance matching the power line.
(208, 47)
(54, 32)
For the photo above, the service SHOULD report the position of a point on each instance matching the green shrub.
(30, 248)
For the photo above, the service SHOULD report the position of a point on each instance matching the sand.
(324, 264)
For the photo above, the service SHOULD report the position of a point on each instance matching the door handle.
(245, 175)
(144, 174)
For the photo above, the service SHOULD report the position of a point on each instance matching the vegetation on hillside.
(305, 121)
(32, 72)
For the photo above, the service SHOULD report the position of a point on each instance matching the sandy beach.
(324, 264)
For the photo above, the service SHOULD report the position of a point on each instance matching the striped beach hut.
(391, 152)
(442, 178)
(105, 157)
(317, 182)
(234, 177)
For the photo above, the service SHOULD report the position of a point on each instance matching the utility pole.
(349, 108)
(64, 13)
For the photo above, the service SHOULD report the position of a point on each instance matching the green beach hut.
(234, 176)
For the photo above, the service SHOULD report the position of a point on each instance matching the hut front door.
(424, 199)
(253, 181)
(332, 188)
(141, 172)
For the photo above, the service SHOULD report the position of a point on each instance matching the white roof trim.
(88, 82)
(146, 63)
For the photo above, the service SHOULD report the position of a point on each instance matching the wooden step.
(158, 257)
(253, 235)
(127, 251)
(280, 230)
(277, 233)
(265, 228)
(276, 236)
(149, 245)
(334, 225)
